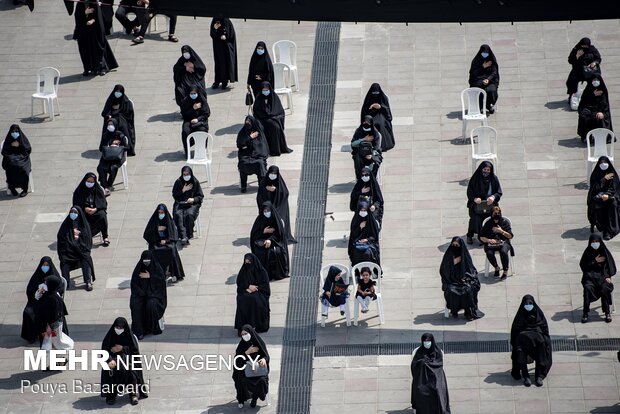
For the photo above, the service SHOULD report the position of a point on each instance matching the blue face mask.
(73, 216)
(118, 94)
(484, 54)
(45, 268)
(260, 52)
(266, 93)
(15, 134)
(161, 216)
(193, 95)
(528, 307)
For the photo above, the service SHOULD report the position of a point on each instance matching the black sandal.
(173, 38)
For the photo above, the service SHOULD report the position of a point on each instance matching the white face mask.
(186, 55)
(15, 134)
(363, 213)
(603, 166)
(272, 177)
(365, 178)
(595, 245)
(119, 331)
(528, 307)
(260, 52)
(89, 185)
(146, 262)
(246, 337)
(187, 177)
(366, 129)
(111, 128)
(427, 344)
(596, 83)
(267, 214)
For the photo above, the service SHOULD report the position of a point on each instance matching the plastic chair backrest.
(487, 140)
(345, 269)
(203, 146)
(470, 101)
(281, 73)
(375, 272)
(285, 51)
(48, 79)
(489, 218)
(600, 143)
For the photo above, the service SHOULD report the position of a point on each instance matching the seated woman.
(459, 281)
(16, 151)
(529, 338)
(74, 243)
(113, 149)
(261, 68)
(161, 234)
(367, 189)
(484, 74)
(594, 109)
(269, 242)
(583, 55)
(50, 318)
(483, 192)
(429, 388)
(253, 151)
(90, 197)
(253, 293)
(148, 296)
(270, 113)
(253, 381)
(188, 197)
(35, 289)
(598, 267)
(365, 289)
(195, 111)
(118, 107)
(121, 343)
(495, 235)
(377, 105)
(335, 291)
(604, 198)
(366, 147)
(273, 188)
(188, 72)
(364, 237)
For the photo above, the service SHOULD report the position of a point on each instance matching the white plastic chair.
(285, 51)
(346, 276)
(511, 259)
(470, 107)
(375, 274)
(576, 98)
(197, 226)
(30, 179)
(48, 79)
(203, 151)
(600, 148)
(282, 83)
(486, 146)
(153, 23)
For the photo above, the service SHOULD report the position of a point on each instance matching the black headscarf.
(39, 277)
(72, 250)
(16, 157)
(447, 263)
(107, 137)
(253, 273)
(51, 307)
(478, 185)
(254, 148)
(590, 54)
(330, 279)
(82, 193)
(375, 191)
(256, 341)
(267, 106)
(279, 197)
(151, 234)
(429, 390)
(376, 95)
(124, 115)
(195, 193)
(477, 72)
(155, 285)
(528, 321)
(260, 65)
(587, 262)
(360, 133)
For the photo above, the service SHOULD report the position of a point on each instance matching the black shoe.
(470, 240)
(224, 85)
(538, 382)
(102, 72)
(608, 317)
(491, 110)
(454, 314)
(244, 190)
(106, 242)
(504, 275)
(86, 73)
(89, 287)
(24, 193)
(606, 236)
(215, 85)
(496, 274)
(253, 402)
(341, 313)
(184, 241)
(134, 399)
(140, 337)
(13, 191)
(527, 382)
(584, 318)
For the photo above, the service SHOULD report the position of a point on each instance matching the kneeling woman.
(253, 293)
(252, 382)
(459, 281)
(148, 296)
(188, 197)
(429, 388)
(529, 338)
(121, 343)
(604, 199)
(598, 267)
(162, 236)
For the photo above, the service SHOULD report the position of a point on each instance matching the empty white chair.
(48, 79)
(470, 107)
(486, 148)
(282, 84)
(30, 179)
(285, 51)
(346, 277)
(203, 151)
(511, 258)
(375, 275)
(600, 148)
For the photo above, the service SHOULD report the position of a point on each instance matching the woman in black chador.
(74, 243)
(148, 296)
(273, 188)
(96, 54)
(251, 349)
(224, 51)
(269, 242)
(90, 197)
(377, 105)
(196, 112)
(484, 74)
(253, 293)
(161, 234)
(261, 68)
(188, 72)
(121, 343)
(50, 316)
(459, 281)
(429, 388)
(594, 109)
(364, 237)
(366, 147)
(583, 55)
(119, 107)
(483, 192)
(495, 235)
(367, 189)
(113, 147)
(269, 112)
(253, 151)
(188, 197)
(604, 199)
(598, 267)
(530, 340)
(34, 291)
(16, 160)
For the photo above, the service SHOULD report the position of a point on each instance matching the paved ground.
(423, 68)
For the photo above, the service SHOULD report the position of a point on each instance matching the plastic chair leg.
(31, 182)
(380, 308)
(50, 107)
(31, 107)
(296, 77)
(125, 176)
(322, 321)
(347, 313)
(464, 130)
(209, 178)
(446, 313)
(356, 311)
(58, 105)
(486, 267)
(197, 226)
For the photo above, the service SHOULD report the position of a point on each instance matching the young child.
(335, 291)
(365, 289)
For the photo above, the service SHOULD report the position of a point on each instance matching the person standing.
(585, 61)
(429, 388)
(16, 151)
(95, 52)
(253, 381)
(224, 52)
